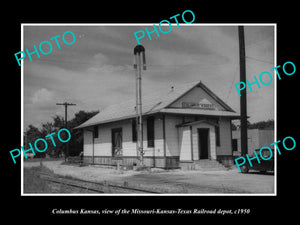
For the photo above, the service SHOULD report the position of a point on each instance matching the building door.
(116, 140)
(203, 142)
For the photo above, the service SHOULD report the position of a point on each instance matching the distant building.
(257, 138)
(184, 124)
(29, 155)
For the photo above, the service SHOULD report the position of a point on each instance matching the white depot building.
(184, 125)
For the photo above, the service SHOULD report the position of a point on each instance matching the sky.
(97, 69)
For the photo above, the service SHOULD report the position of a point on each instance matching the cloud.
(100, 59)
(41, 96)
(102, 63)
(39, 106)
(97, 70)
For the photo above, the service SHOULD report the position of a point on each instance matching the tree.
(75, 144)
(30, 136)
(269, 124)
(49, 128)
(32, 133)
(58, 121)
(237, 125)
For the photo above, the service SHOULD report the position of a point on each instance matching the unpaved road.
(213, 182)
(175, 181)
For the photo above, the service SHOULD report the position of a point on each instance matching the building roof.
(201, 112)
(158, 102)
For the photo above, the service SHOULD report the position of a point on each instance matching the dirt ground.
(171, 181)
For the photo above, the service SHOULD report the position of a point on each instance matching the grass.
(33, 183)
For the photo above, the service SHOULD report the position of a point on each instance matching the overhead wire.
(234, 76)
(259, 60)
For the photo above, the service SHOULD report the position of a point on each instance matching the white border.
(150, 24)
(275, 109)
(22, 110)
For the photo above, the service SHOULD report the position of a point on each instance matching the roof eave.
(82, 126)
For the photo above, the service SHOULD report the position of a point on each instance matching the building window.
(217, 131)
(116, 139)
(96, 132)
(134, 130)
(150, 131)
(234, 145)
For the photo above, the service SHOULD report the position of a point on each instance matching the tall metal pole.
(140, 109)
(139, 54)
(243, 99)
(136, 102)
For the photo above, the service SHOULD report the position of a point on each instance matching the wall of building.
(87, 143)
(183, 137)
(196, 95)
(211, 140)
(158, 134)
(256, 139)
(184, 143)
(178, 142)
(103, 145)
(171, 121)
(224, 151)
(266, 137)
(154, 156)
(225, 147)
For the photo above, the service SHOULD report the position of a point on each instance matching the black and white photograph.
(160, 117)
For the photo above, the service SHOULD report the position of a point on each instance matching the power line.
(234, 76)
(259, 60)
(259, 43)
(70, 62)
(150, 65)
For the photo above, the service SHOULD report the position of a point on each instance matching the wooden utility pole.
(66, 104)
(243, 98)
(139, 56)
